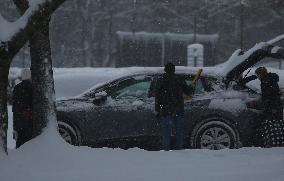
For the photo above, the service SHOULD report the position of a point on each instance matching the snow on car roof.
(73, 81)
(118, 73)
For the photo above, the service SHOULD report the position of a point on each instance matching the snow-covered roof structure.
(201, 38)
(155, 49)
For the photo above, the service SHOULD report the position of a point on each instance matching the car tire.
(214, 134)
(69, 133)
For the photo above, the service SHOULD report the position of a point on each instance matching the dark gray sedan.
(120, 113)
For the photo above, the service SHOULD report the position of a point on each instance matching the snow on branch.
(10, 29)
(14, 35)
(277, 39)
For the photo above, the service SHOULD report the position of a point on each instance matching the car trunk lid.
(241, 61)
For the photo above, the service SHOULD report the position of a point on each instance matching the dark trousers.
(168, 122)
(23, 137)
(23, 127)
(268, 115)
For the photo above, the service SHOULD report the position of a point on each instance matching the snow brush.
(197, 76)
(195, 79)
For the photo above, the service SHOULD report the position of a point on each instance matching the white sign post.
(195, 55)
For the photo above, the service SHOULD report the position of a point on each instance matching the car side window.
(135, 89)
(198, 85)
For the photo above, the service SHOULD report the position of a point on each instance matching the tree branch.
(12, 46)
(22, 5)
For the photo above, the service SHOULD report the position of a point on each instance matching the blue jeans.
(167, 125)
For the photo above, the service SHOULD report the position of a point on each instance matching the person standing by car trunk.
(169, 105)
(22, 109)
(272, 108)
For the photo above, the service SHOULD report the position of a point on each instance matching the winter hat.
(261, 71)
(26, 74)
(170, 68)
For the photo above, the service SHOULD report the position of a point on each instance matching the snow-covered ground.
(49, 158)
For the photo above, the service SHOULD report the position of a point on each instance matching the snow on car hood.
(228, 100)
(231, 105)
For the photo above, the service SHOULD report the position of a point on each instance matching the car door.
(142, 125)
(117, 122)
(197, 104)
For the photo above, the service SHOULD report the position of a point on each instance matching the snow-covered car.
(120, 113)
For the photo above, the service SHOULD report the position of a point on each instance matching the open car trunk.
(241, 61)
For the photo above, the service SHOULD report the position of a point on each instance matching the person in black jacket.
(22, 109)
(169, 105)
(272, 121)
(242, 81)
(271, 96)
(273, 126)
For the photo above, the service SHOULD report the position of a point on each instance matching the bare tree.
(42, 75)
(35, 30)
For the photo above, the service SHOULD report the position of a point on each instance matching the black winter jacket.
(22, 96)
(271, 97)
(169, 94)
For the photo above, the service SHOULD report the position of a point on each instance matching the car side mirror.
(100, 98)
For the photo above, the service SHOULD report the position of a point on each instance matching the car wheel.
(214, 134)
(69, 134)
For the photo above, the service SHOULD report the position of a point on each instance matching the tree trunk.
(4, 72)
(42, 79)
(42, 66)
(42, 75)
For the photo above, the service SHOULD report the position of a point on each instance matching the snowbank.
(48, 157)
